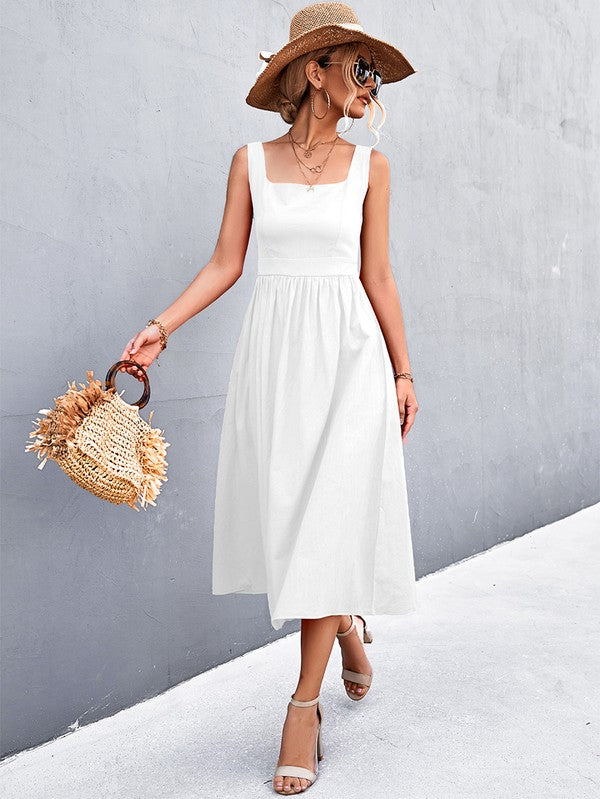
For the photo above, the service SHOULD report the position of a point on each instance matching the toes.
(292, 784)
(354, 687)
(287, 785)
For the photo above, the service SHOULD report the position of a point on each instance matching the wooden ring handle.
(109, 380)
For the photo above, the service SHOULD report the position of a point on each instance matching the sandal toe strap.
(355, 676)
(295, 771)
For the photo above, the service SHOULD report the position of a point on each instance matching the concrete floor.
(490, 690)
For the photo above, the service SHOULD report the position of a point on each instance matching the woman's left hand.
(407, 404)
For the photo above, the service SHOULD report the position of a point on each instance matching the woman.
(311, 504)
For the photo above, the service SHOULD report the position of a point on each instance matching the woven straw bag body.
(102, 443)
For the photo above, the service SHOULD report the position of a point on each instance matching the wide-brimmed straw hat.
(322, 25)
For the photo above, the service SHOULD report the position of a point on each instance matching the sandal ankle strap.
(299, 703)
(349, 630)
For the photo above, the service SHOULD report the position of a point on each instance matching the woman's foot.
(298, 747)
(353, 654)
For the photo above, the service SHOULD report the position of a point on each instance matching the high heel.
(300, 771)
(355, 676)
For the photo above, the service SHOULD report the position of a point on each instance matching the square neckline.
(304, 185)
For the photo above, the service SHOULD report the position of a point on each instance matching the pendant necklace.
(318, 168)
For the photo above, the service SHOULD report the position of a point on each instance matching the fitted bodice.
(302, 232)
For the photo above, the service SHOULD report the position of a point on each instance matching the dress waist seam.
(312, 274)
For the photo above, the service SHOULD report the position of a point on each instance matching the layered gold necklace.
(317, 168)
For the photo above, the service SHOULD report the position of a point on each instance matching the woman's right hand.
(143, 348)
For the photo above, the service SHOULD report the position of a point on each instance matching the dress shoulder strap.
(361, 168)
(254, 169)
(366, 164)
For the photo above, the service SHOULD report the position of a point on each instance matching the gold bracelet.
(162, 331)
(407, 375)
(163, 335)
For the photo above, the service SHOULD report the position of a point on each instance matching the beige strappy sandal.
(299, 771)
(355, 676)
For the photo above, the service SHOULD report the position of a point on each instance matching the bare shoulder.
(379, 169)
(272, 143)
(240, 159)
(238, 169)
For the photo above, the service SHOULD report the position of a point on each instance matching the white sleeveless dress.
(311, 505)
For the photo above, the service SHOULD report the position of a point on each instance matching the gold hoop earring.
(312, 103)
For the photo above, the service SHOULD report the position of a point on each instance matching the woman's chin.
(356, 110)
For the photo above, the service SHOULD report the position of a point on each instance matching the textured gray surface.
(489, 691)
(119, 123)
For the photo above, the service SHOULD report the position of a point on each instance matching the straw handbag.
(102, 443)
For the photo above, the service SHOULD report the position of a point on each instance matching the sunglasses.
(361, 70)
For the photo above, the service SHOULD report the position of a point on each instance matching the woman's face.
(333, 81)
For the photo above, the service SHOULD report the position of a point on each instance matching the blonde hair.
(294, 86)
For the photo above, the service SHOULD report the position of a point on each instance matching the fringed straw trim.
(56, 433)
(153, 461)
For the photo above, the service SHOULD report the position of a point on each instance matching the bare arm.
(379, 284)
(220, 273)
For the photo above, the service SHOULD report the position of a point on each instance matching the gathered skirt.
(311, 505)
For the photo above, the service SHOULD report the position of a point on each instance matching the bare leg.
(300, 726)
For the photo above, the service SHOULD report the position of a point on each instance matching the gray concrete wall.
(119, 123)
